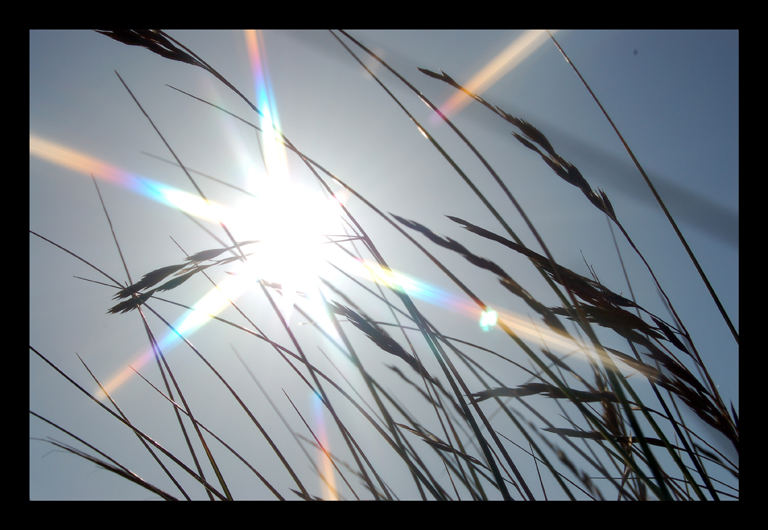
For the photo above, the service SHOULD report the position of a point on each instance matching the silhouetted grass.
(619, 431)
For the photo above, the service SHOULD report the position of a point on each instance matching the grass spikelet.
(585, 288)
(437, 443)
(130, 304)
(148, 280)
(545, 389)
(153, 40)
(532, 136)
(617, 319)
(380, 337)
(209, 254)
(514, 287)
(175, 282)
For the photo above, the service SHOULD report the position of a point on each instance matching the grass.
(360, 390)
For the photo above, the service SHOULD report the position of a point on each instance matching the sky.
(672, 94)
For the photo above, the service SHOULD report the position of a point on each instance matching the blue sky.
(672, 94)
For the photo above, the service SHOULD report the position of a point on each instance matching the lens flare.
(275, 157)
(293, 255)
(488, 319)
(66, 157)
(296, 251)
(329, 482)
(210, 305)
(499, 66)
(287, 219)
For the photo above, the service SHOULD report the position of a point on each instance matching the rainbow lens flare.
(79, 162)
(326, 466)
(511, 56)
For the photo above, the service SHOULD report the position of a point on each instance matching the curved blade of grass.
(117, 470)
(116, 466)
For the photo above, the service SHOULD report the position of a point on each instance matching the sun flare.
(295, 229)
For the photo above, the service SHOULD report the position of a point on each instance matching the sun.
(296, 227)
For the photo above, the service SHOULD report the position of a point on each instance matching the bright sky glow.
(291, 221)
(293, 251)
